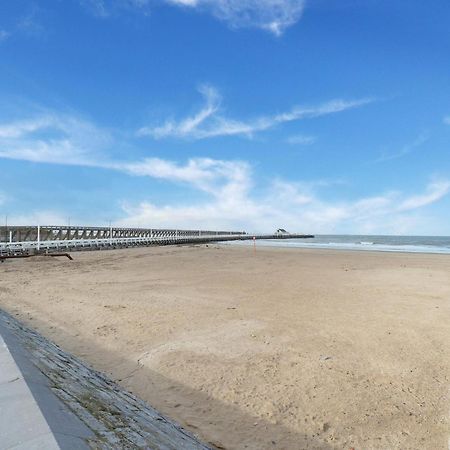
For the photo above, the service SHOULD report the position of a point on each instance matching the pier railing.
(44, 239)
(66, 233)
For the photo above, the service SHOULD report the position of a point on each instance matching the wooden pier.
(17, 240)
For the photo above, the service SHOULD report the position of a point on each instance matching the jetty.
(30, 240)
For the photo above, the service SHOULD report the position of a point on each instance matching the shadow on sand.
(196, 411)
(201, 414)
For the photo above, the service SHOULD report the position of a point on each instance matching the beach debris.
(30, 255)
(217, 445)
(325, 357)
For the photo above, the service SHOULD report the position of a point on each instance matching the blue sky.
(321, 116)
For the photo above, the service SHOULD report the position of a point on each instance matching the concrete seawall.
(50, 399)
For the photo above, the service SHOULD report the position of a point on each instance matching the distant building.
(281, 231)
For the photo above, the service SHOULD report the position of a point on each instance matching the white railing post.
(38, 237)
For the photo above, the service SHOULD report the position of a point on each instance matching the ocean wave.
(356, 245)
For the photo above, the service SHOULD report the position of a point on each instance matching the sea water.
(410, 244)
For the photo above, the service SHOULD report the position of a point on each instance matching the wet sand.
(282, 349)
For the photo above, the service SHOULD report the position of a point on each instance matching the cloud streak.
(233, 197)
(434, 192)
(4, 35)
(291, 206)
(208, 122)
(274, 16)
(216, 177)
(405, 150)
(301, 140)
(54, 138)
(26, 25)
(108, 8)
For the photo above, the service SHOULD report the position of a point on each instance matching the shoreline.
(328, 349)
(349, 248)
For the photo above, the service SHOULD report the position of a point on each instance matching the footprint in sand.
(105, 330)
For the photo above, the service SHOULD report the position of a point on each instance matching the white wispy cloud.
(434, 192)
(4, 35)
(233, 197)
(59, 138)
(300, 139)
(40, 217)
(107, 8)
(208, 122)
(20, 128)
(97, 7)
(274, 16)
(236, 202)
(29, 24)
(289, 206)
(405, 150)
(446, 120)
(55, 138)
(213, 176)
(190, 125)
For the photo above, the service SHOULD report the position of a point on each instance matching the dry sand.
(282, 349)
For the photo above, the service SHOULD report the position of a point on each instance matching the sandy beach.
(278, 349)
